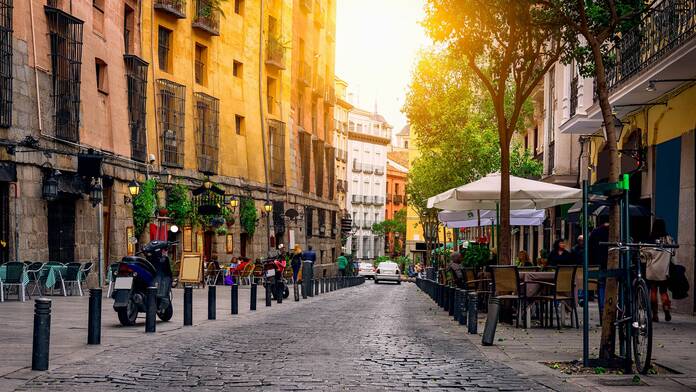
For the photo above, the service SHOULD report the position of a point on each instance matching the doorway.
(208, 238)
(5, 221)
(61, 230)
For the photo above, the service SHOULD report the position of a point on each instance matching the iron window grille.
(175, 7)
(305, 159)
(322, 222)
(171, 101)
(65, 34)
(207, 17)
(206, 112)
(330, 153)
(279, 218)
(136, 78)
(5, 63)
(318, 147)
(276, 139)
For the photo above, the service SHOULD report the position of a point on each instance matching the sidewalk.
(526, 350)
(69, 325)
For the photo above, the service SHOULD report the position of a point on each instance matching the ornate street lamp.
(234, 202)
(268, 207)
(96, 194)
(133, 188)
(49, 190)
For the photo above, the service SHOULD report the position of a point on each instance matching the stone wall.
(685, 253)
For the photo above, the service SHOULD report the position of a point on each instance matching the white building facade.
(369, 136)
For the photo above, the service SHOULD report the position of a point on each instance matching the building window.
(405, 143)
(5, 64)
(321, 214)
(237, 69)
(314, 117)
(136, 77)
(164, 36)
(330, 170)
(239, 7)
(65, 35)
(276, 140)
(300, 108)
(305, 158)
(171, 107)
(128, 26)
(201, 60)
(102, 76)
(239, 124)
(98, 16)
(309, 227)
(206, 120)
(318, 147)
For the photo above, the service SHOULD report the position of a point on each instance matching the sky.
(377, 42)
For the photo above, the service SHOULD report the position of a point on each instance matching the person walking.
(559, 255)
(657, 269)
(342, 262)
(296, 265)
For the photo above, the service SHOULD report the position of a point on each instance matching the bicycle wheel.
(641, 334)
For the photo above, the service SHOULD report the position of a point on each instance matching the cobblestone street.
(370, 337)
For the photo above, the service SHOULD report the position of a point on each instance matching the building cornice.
(368, 138)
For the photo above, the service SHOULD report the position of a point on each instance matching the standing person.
(296, 265)
(657, 269)
(342, 262)
(578, 251)
(559, 255)
(309, 255)
(455, 267)
(599, 254)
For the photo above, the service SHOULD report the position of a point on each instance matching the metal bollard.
(42, 334)
(473, 313)
(252, 297)
(464, 309)
(235, 299)
(151, 310)
(450, 293)
(323, 285)
(279, 294)
(456, 304)
(445, 299)
(491, 322)
(440, 295)
(316, 286)
(303, 288)
(188, 305)
(310, 288)
(94, 317)
(268, 294)
(212, 299)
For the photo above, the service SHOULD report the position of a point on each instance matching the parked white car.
(367, 270)
(388, 271)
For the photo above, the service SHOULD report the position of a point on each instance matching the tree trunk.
(611, 289)
(504, 248)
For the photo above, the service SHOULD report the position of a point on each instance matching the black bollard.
(188, 305)
(212, 299)
(235, 299)
(316, 286)
(491, 322)
(303, 288)
(323, 285)
(464, 309)
(151, 309)
(94, 317)
(267, 288)
(279, 293)
(252, 297)
(42, 334)
(445, 298)
(473, 313)
(450, 292)
(456, 306)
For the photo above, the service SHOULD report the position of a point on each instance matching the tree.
(599, 23)
(509, 45)
(395, 225)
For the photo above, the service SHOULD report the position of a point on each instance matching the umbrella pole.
(585, 281)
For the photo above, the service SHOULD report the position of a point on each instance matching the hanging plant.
(179, 205)
(222, 230)
(144, 205)
(248, 215)
(217, 221)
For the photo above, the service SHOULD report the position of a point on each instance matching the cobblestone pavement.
(371, 337)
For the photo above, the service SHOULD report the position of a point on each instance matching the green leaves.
(144, 205)
(248, 215)
(179, 205)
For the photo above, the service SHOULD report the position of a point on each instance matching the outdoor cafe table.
(529, 278)
(55, 272)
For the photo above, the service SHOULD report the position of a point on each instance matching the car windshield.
(365, 265)
(387, 265)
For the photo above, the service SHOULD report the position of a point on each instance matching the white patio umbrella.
(485, 194)
(461, 219)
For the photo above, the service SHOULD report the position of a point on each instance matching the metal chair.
(34, 272)
(85, 269)
(563, 292)
(72, 277)
(506, 286)
(14, 277)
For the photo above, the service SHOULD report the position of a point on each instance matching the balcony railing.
(275, 53)
(329, 95)
(207, 17)
(667, 26)
(318, 86)
(367, 224)
(367, 199)
(379, 170)
(379, 201)
(174, 7)
(356, 199)
(398, 199)
(357, 166)
(390, 197)
(367, 168)
(573, 96)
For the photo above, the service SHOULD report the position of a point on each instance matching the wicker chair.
(563, 292)
(506, 286)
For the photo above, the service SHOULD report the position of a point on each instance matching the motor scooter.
(273, 272)
(135, 274)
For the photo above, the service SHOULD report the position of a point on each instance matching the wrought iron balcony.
(398, 199)
(357, 166)
(356, 199)
(666, 27)
(379, 200)
(275, 53)
(174, 7)
(379, 170)
(305, 74)
(207, 17)
(367, 200)
(329, 94)
(367, 168)
(573, 96)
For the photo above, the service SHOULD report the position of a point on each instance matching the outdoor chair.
(506, 286)
(85, 269)
(34, 272)
(72, 277)
(13, 277)
(473, 283)
(113, 271)
(247, 274)
(212, 274)
(258, 273)
(563, 292)
(46, 270)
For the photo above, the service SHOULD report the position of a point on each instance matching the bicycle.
(635, 319)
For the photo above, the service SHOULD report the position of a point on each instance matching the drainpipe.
(263, 127)
(16, 222)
